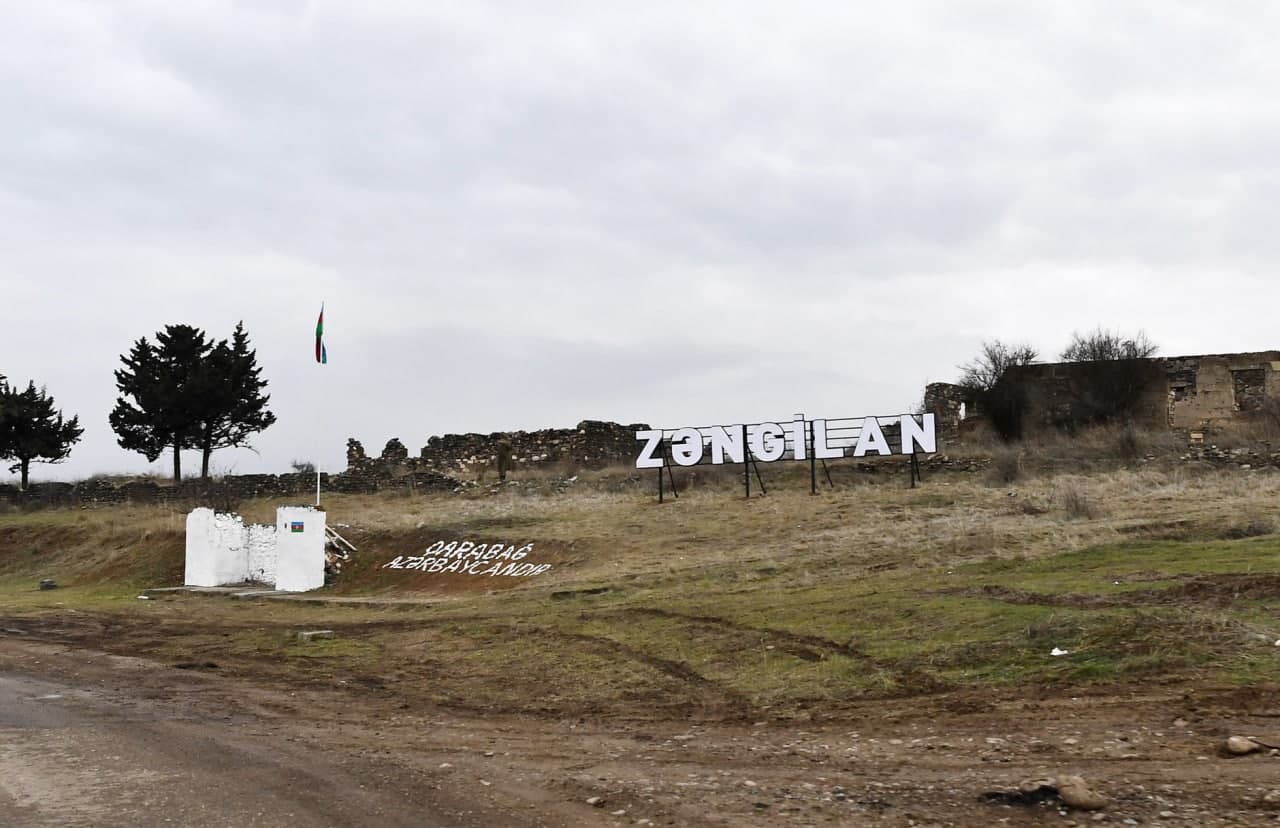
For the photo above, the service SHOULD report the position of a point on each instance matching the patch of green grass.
(934, 624)
(22, 594)
(1097, 569)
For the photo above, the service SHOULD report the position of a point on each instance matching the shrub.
(1129, 444)
(1115, 374)
(1076, 502)
(1254, 527)
(1006, 466)
(999, 395)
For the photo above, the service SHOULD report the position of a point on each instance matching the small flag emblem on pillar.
(322, 355)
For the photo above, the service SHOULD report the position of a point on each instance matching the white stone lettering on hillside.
(497, 560)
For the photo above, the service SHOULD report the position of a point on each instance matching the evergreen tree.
(189, 392)
(235, 407)
(32, 430)
(161, 386)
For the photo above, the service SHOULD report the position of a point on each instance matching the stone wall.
(223, 493)
(221, 549)
(591, 444)
(950, 405)
(1204, 391)
(1067, 393)
(1187, 393)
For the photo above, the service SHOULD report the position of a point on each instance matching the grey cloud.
(816, 205)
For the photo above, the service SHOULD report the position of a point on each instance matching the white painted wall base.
(289, 556)
(216, 549)
(299, 548)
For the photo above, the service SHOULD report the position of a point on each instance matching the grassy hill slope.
(715, 605)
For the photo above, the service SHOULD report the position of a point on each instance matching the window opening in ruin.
(1182, 384)
(1250, 387)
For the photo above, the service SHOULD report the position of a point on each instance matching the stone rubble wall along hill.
(222, 493)
(592, 444)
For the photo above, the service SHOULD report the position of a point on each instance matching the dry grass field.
(805, 611)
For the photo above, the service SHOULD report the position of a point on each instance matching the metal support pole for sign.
(813, 461)
(746, 462)
(915, 470)
(666, 466)
(317, 488)
(759, 479)
(827, 472)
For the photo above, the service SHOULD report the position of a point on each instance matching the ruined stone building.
(1187, 393)
(591, 444)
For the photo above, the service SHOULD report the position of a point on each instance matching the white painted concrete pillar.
(299, 548)
(217, 551)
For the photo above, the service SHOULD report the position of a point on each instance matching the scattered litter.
(1028, 794)
(313, 635)
(48, 583)
(1059, 652)
(144, 597)
(1075, 793)
(1066, 791)
(596, 801)
(1244, 745)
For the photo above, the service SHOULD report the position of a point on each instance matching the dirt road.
(88, 738)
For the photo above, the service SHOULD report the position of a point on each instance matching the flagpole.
(321, 358)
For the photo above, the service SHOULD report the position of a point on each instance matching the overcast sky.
(523, 215)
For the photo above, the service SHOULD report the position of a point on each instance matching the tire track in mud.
(797, 644)
(726, 697)
(910, 679)
(1215, 590)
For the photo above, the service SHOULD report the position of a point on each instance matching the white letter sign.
(646, 460)
(768, 441)
(686, 446)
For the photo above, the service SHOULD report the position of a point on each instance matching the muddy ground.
(90, 735)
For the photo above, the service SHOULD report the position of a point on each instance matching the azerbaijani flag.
(322, 355)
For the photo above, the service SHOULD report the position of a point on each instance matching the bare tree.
(996, 357)
(1108, 346)
(1116, 374)
(994, 388)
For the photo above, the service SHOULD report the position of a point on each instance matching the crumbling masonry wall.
(1208, 390)
(224, 493)
(1186, 393)
(592, 444)
(950, 405)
